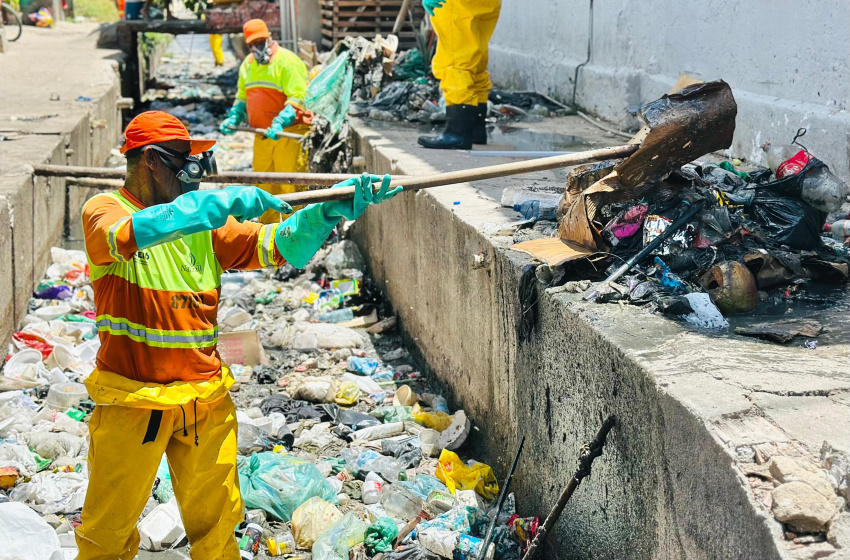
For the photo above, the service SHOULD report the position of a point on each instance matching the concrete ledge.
(670, 484)
(35, 211)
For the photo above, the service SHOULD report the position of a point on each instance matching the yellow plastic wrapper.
(346, 393)
(457, 476)
(435, 420)
(311, 519)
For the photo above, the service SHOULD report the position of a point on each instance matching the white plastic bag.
(24, 535)
(47, 492)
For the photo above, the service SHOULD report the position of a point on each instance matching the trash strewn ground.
(342, 441)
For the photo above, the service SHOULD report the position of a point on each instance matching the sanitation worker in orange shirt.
(271, 92)
(156, 250)
(464, 28)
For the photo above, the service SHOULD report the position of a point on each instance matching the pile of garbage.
(733, 240)
(343, 445)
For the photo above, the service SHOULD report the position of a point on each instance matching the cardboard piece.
(553, 251)
(242, 347)
(360, 322)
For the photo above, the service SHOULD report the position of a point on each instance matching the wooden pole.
(402, 13)
(262, 132)
(467, 175)
(410, 183)
(225, 177)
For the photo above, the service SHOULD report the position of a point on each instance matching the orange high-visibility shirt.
(268, 88)
(157, 308)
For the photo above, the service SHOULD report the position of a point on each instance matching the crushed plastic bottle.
(839, 231)
(372, 489)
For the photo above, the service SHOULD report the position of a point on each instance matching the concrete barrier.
(667, 485)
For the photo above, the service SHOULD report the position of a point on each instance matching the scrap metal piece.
(684, 126)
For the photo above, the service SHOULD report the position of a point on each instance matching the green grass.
(99, 10)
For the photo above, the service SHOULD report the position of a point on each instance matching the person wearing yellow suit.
(215, 47)
(464, 28)
(271, 91)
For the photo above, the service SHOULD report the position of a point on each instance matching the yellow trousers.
(218, 53)
(126, 448)
(464, 28)
(279, 156)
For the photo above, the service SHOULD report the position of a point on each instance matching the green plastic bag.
(278, 484)
(164, 490)
(390, 414)
(412, 67)
(380, 535)
(341, 537)
(329, 94)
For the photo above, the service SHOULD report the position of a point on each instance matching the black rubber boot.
(460, 121)
(479, 130)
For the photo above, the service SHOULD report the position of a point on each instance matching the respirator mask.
(194, 168)
(262, 53)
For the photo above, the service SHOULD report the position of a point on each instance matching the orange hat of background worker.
(154, 127)
(255, 29)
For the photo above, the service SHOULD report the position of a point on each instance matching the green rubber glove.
(198, 211)
(431, 5)
(284, 119)
(236, 116)
(302, 234)
(363, 196)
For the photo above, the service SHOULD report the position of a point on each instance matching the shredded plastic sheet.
(329, 94)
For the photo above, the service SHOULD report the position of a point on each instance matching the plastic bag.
(329, 93)
(435, 420)
(18, 455)
(279, 484)
(439, 541)
(311, 520)
(24, 534)
(163, 489)
(361, 459)
(346, 393)
(458, 476)
(335, 543)
(380, 535)
(47, 492)
(412, 552)
(52, 445)
(790, 222)
(422, 485)
(390, 414)
(16, 413)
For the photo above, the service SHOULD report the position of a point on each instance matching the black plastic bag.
(788, 221)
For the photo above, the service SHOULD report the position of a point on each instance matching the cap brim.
(199, 146)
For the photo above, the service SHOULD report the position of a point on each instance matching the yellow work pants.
(126, 448)
(218, 53)
(464, 28)
(279, 156)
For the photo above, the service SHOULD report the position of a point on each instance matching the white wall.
(788, 62)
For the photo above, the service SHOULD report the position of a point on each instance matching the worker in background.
(215, 47)
(464, 28)
(271, 91)
(156, 250)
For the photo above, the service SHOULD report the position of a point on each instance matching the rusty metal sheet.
(684, 126)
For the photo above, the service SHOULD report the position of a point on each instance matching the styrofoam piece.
(163, 528)
(63, 396)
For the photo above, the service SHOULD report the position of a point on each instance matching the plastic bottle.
(777, 154)
(840, 230)
(249, 544)
(439, 404)
(372, 489)
(820, 188)
(534, 210)
(339, 315)
(401, 503)
(281, 543)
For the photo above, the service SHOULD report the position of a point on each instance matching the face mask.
(262, 54)
(194, 169)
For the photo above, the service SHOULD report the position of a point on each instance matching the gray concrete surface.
(787, 62)
(671, 484)
(46, 63)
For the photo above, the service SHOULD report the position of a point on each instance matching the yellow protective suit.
(279, 156)
(194, 424)
(218, 52)
(464, 28)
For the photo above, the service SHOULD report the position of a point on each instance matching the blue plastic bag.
(278, 484)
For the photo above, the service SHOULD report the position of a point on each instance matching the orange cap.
(154, 127)
(255, 29)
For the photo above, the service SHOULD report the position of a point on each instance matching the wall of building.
(787, 62)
